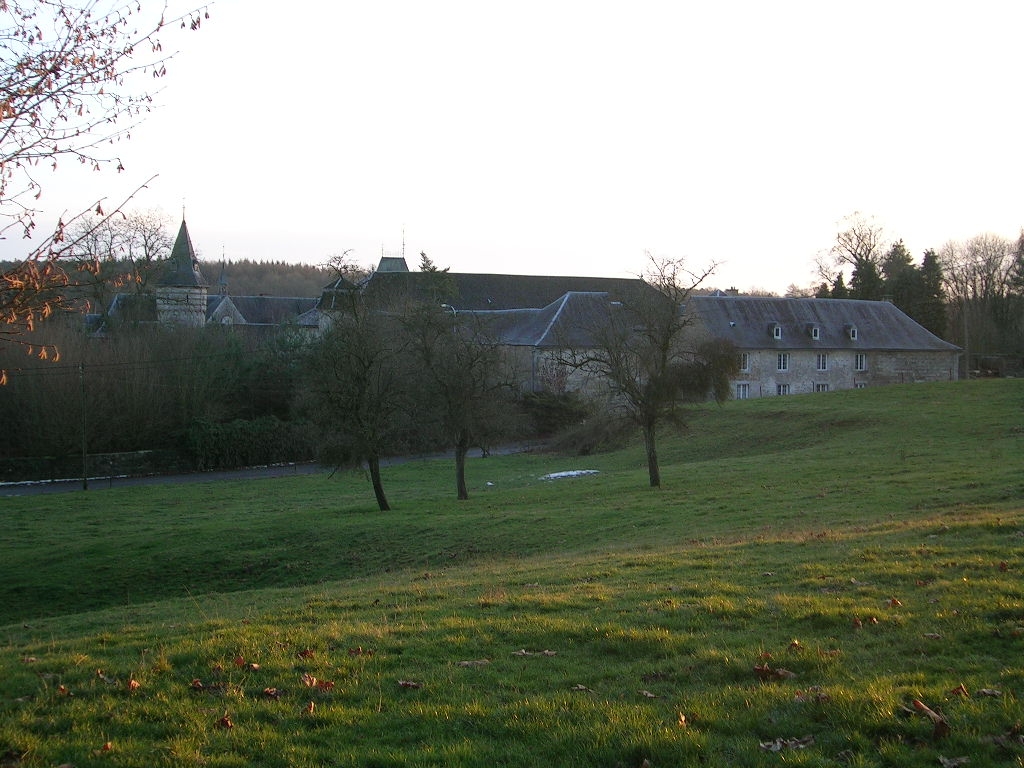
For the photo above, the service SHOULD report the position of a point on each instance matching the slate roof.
(567, 321)
(470, 291)
(267, 310)
(183, 266)
(747, 321)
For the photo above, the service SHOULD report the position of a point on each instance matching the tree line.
(967, 292)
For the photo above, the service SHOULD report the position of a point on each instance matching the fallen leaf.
(989, 692)
(933, 635)
(960, 690)
(940, 724)
(359, 651)
(272, 693)
(307, 653)
(648, 694)
(681, 721)
(310, 708)
(409, 684)
(953, 762)
(580, 687)
(133, 684)
(225, 722)
(476, 663)
(196, 684)
(813, 694)
(239, 661)
(765, 672)
(796, 645)
(894, 603)
(309, 680)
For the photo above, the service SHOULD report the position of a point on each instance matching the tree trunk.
(461, 449)
(653, 471)
(378, 486)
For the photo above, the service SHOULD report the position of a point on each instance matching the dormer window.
(852, 330)
(776, 330)
(814, 332)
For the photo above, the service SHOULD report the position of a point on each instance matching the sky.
(577, 138)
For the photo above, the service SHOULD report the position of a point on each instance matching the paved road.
(250, 473)
(102, 483)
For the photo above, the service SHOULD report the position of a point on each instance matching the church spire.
(183, 266)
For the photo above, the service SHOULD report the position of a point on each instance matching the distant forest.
(271, 278)
(242, 278)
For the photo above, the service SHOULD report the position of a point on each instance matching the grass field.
(821, 581)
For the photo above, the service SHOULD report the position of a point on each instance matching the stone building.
(786, 345)
(793, 346)
(182, 297)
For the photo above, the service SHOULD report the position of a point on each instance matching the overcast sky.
(571, 138)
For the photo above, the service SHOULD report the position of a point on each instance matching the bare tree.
(124, 251)
(977, 276)
(640, 349)
(860, 246)
(461, 377)
(65, 70)
(357, 387)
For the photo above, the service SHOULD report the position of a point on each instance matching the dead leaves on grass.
(766, 673)
(524, 652)
(779, 744)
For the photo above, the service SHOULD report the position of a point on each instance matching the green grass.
(870, 542)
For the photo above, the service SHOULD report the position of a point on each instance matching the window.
(742, 391)
(860, 362)
(782, 389)
(815, 332)
(822, 364)
(777, 331)
(860, 385)
(821, 387)
(783, 361)
(744, 361)
(853, 333)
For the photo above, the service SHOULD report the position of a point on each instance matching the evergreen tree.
(903, 283)
(427, 264)
(866, 282)
(839, 289)
(932, 311)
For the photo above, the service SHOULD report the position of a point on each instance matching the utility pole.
(85, 441)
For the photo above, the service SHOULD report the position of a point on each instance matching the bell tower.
(181, 291)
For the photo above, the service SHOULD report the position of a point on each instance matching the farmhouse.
(786, 345)
(792, 346)
(532, 316)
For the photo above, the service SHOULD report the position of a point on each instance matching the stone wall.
(806, 372)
